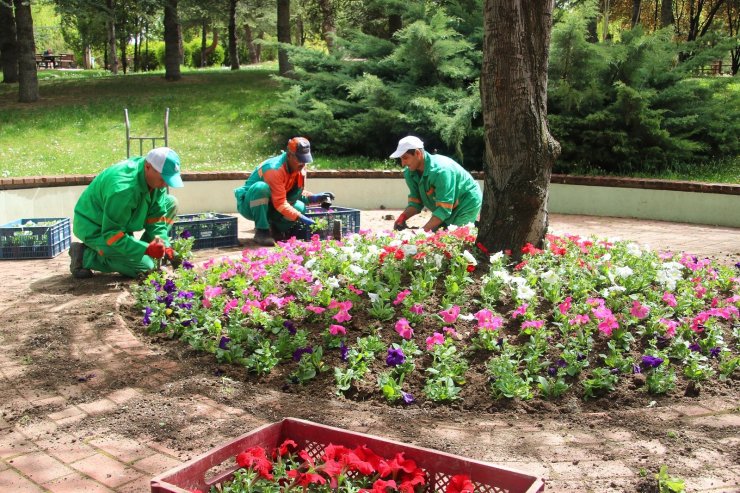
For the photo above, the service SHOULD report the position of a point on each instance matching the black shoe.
(262, 237)
(76, 252)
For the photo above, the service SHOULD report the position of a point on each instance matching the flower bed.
(420, 317)
(324, 223)
(298, 453)
(34, 238)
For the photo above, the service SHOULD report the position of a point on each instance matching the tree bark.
(666, 13)
(520, 151)
(285, 68)
(733, 27)
(395, 23)
(636, 4)
(254, 54)
(328, 29)
(8, 44)
(233, 50)
(111, 26)
(28, 82)
(172, 45)
(203, 34)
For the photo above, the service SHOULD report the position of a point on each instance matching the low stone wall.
(678, 201)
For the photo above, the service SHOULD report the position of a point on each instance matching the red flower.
(380, 486)
(399, 254)
(256, 459)
(286, 447)
(531, 249)
(398, 463)
(507, 252)
(363, 459)
(460, 483)
(304, 479)
(520, 265)
(482, 247)
(470, 268)
(332, 452)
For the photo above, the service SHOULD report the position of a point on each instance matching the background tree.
(285, 67)
(733, 26)
(28, 82)
(520, 151)
(233, 51)
(112, 57)
(172, 41)
(8, 43)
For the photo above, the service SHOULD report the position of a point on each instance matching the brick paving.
(46, 453)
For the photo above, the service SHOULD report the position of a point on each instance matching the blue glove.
(318, 197)
(306, 221)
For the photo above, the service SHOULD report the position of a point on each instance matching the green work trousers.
(255, 205)
(126, 266)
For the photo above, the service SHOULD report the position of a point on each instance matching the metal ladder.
(141, 140)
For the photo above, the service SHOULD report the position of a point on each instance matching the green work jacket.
(445, 188)
(115, 205)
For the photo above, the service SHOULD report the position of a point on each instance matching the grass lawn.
(216, 123)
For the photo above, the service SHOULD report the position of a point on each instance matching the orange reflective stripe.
(115, 238)
(414, 200)
(444, 205)
(430, 191)
(162, 219)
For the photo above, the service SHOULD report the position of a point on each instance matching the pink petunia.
(342, 316)
(579, 320)
(232, 304)
(601, 312)
(638, 310)
(670, 326)
(669, 299)
(565, 305)
(417, 309)
(435, 339)
(450, 331)
(401, 296)
(337, 330)
(318, 310)
(608, 324)
(520, 311)
(535, 324)
(450, 315)
(404, 329)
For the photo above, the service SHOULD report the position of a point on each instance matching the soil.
(65, 342)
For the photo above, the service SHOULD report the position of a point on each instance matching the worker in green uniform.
(274, 196)
(127, 197)
(439, 184)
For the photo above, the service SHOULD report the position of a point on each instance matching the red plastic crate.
(440, 466)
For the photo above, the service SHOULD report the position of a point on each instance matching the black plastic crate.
(208, 228)
(350, 219)
(37, 237)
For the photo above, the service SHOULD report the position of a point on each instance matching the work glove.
(400, 223)
(320, 197)
(305, 220)
(169, 253)
(155, 249)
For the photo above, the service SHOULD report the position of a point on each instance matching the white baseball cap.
(406, 144)
(167, 163)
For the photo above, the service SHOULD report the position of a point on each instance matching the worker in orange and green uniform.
(127, 197)
(274, 197)
(439, 184)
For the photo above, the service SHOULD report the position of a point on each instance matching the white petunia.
(525, 293)
(357, 270)
(623, 271)
(310, 263)
(332, 282)
(469, 258)
(550, 277)
(373, 297)
(634, 249)
(409, 249)
(496, 257)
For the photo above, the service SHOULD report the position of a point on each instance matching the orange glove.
(169, 253)
(155, 249)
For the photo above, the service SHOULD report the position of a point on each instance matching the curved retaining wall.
(677, 201)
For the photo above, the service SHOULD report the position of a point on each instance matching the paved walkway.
(42, 448)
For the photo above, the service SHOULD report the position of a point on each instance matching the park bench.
(65, 60)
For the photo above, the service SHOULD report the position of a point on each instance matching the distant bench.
(65, 60)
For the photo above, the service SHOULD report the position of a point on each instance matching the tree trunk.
(328, 29)
(733, 27)
(520, 151)
(666, 13)
(8, 44)
(251, 47)
(636, 4)
(299, 34)
(87, 57)
(395, 23)
(172, 46)
(285, 68)
(124, 59)
(606, 12)
(203, 34)
(28, 82)
(111, 25)
(233, 51)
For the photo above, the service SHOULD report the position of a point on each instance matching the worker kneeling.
(274, 197)
(127, 197)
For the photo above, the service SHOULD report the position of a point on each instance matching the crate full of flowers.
(348, 222)
(208, 229)
(30, 238)
(313, 457)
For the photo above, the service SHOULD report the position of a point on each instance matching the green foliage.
(667, 483)
(214, 58)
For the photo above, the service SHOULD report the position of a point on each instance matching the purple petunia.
(552, 371)
(224, 343)
(395, 357)
(407, 398)
(169, 285)
(695, 347)
(186, 234)
(651, 361)
(155, 285)
(298, 353)
(636, 369)
(343, 351)
(147, 315)
(288, 324)
(737, 265)
(714, 352)
(187, 265)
